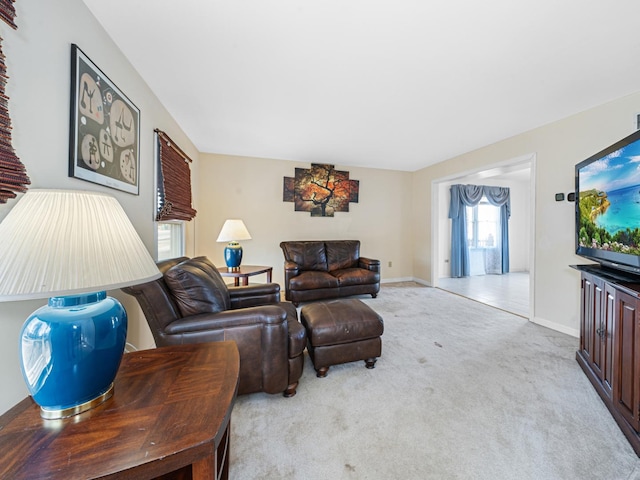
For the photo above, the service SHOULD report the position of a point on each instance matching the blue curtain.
(470, 195)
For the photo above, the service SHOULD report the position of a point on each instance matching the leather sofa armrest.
(369, 264)
(267, 315)
(291, 268)
(254, 295)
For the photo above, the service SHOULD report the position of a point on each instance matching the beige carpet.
(462, 391)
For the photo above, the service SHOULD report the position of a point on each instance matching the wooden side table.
(245, 272)
(168, 418)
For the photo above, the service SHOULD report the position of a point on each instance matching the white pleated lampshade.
(67, 242)
(233, 230)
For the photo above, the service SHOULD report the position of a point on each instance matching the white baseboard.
(405, 279)
(556, 326)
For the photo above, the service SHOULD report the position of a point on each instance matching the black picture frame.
(104, 143)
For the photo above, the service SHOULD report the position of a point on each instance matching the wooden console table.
(168, 419)
(245, 272)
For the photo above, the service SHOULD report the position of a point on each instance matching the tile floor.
(508, 292)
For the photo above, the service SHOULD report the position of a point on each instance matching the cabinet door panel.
(597, 328)
(594, 314)
(586, 316)
(626, 368)
(607, 333)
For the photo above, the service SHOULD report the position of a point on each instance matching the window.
(173, 200)
(483, 225)
(170, 240)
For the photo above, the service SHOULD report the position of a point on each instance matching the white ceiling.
(396, 84)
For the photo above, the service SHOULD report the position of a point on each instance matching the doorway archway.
(514, 293)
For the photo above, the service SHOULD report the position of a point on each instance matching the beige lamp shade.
(59, 242)
(233, 230)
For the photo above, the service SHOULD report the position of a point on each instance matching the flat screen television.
(608, 206)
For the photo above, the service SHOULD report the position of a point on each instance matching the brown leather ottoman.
(341, 331)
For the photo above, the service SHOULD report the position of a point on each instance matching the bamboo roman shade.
(174, 181)
(13, 174)
(8, 12)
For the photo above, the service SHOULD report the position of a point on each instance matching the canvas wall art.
(321, 190)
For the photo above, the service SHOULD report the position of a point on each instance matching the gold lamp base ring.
(51, 414)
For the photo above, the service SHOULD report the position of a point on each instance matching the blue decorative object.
(233, 230)
(71, 247)
(70, 352)
(233, 255)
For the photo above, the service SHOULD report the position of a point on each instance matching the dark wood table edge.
(203, 456)
(237, 275)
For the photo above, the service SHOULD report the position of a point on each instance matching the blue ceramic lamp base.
(233, 256)
(70, 352)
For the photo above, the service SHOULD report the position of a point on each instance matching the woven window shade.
(13, 174)
(174, 181)
(8, 12)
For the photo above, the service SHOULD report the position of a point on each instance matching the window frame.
(177, 239)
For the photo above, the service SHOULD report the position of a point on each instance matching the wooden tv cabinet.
(609, 350)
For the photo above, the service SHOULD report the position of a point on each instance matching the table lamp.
(71, 246)
(232, 231)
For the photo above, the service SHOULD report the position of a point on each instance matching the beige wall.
(251, 189)
(557, 148)
(38, 61)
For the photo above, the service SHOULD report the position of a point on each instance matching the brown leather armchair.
(191, 303)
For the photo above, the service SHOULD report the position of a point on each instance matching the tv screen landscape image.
(608, 205)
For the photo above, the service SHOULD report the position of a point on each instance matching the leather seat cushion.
(340, 321)
(311, 280)
(356, 276)
(197, 287)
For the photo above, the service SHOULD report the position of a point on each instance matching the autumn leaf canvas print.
(321, 190)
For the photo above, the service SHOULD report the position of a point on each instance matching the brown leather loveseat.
(315, 270)
(191, 303)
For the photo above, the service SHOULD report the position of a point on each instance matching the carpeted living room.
(462, 390)
(333, 121)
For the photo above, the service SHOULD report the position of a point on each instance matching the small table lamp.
(71, 246)
(232, 231)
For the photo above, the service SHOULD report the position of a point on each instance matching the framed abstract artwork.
(104, 144)
(320, 190)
